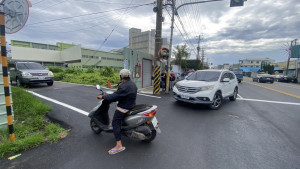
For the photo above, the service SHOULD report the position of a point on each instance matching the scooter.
(140, 122)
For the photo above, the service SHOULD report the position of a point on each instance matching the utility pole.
(170, 47)
(290, 53)
(158, 10)
(198, 52)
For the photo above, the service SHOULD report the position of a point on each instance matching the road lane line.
(60, 103)
(268, 101)
(239, 96)
(289, 94)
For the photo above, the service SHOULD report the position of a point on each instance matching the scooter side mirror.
(98, 87)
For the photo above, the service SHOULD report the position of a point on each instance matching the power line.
(94, 13)
(104, 2)
(38, 2)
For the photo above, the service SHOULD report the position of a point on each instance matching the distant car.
(24, 73)
(287, 79)
(239, 75)
(263, 78)
(276, 77)
(207, 87)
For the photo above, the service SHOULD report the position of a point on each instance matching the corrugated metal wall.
(3, 117)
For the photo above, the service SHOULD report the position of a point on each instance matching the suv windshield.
(205, 76)
(32, 66)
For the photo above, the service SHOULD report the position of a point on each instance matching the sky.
(259, 29)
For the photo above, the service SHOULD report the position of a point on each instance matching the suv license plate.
(184, 96)
(41, 78)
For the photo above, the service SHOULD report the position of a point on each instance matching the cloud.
(258, 29)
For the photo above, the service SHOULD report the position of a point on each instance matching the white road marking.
(267, 101)
(239, 96)
(60, 103)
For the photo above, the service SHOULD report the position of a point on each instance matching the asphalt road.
(259, 130)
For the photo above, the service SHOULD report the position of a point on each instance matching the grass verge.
(30, 124)
(88, 76)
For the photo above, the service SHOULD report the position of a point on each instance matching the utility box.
(3, 115)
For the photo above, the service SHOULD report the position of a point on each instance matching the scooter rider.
(126, 97)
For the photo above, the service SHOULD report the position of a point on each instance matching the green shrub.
(55, 69)
(59, 76)
(107, 72)
(90, 70)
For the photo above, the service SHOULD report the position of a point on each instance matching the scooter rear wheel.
(150, 137)
(96, 129)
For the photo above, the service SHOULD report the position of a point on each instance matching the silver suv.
(25, 73)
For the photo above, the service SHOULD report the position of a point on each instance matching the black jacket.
(126, 95)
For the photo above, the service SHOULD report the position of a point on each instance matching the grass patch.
(30, 125)
(88, 76)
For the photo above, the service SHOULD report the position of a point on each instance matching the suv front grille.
(39, 74)
(188, 89)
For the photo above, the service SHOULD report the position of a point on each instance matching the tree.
(268, 68)
(181, 55)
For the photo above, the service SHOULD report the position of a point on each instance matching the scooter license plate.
(155, 124)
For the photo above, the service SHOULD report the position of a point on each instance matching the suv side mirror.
(226, 80)
(12, 68)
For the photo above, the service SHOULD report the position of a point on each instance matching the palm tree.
(181, 55)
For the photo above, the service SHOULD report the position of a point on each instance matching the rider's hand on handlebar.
(99, 97)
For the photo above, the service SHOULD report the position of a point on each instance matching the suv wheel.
(233, 97)
(19, 84)
(217, 101)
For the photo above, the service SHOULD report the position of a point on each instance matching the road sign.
(235, 3)
(295, 53)
(16, 15)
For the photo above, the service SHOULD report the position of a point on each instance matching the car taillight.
(151, 114)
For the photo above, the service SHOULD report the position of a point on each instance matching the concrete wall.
(32, 54)
(96, 58)
(71, 54)
(132, 62)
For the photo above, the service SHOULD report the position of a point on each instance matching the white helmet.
(125, 73)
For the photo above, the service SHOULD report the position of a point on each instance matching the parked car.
(288, 79)
(239, 75)
(263, 78)
(276, 77)
(209, 87)
(25, 73)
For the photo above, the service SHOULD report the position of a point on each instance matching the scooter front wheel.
(150, 137)
(96, 129)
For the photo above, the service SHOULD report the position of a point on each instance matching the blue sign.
(234, 3)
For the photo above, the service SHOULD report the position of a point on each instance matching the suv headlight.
(207, 88)
(50, 73)
(176, 85)
(26, 74)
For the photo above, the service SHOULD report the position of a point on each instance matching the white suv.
(207, 87)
